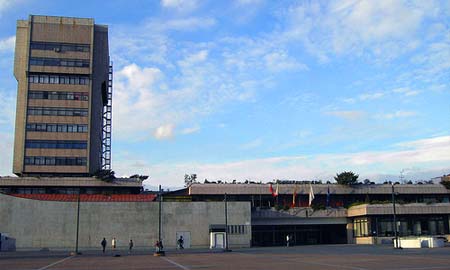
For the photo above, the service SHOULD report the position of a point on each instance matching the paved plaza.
(300, 257)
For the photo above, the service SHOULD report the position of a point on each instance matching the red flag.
(271, 190)
(294, 195)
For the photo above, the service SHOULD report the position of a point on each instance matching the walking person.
(130, 246)
(113, 243)
(287, 240)
(180, 242)
(157, 247)
(103, 243)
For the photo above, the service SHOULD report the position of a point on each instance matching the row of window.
(59, 47)
(58, 95)
(56, 161)
(53, 144)
(58, 62)
(58, 79)
(236, 229)
(406, 226)
(43, 127)
(57, 111)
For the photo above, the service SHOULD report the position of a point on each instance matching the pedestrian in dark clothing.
(157, 246)
(180, 242)
(103, 244)
(130, 246)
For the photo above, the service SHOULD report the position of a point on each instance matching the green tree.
(346, 178)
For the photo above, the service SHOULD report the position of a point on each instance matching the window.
(59, 79)
(361, 227)
(57, 111)
(55, 144)
(58, 161)
(37, 61)
(60, 47)
(236, 229)
(54, 80)
(41, 127)
(51, 128)
(58, 95)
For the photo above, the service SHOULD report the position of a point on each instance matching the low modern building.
(361, 214)
(338, 214)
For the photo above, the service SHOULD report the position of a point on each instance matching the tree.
(190, 179)
(346, 178)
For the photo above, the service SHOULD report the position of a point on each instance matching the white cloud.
(371, 96)
(188, 24)
(164, 132)
(347, 115)
(190, 130)
(397, 114)
(249, 2)
(194, 58)
(7, 108)
(181, 5)
(6, 148)
(380, 29)
(6, 4)
(146, 99)
(7, 44)
(406, 91)
(260, 53)
(434, 62)
(279, 61)
(430, 153)
(252, 144)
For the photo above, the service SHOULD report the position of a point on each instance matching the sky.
(262, 90)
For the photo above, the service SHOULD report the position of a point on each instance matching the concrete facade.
(46, 224)
(60, 65)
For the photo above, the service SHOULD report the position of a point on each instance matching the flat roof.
(10, 181)
(263, 189)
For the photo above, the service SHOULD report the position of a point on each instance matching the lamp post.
(226, 223)
(159, 245)
(395, 218)
(78, 222)
(159, 214)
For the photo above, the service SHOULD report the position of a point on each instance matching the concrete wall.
(39, 224)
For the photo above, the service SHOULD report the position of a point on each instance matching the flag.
(311, 195)
(328, 196)
(271, 190)
(294, 195)
(277, 190)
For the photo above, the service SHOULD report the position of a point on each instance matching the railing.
(299, 212)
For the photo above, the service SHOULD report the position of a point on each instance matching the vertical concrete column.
(350, 239)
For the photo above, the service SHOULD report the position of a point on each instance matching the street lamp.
(160, 251)
(78, 222)
(226, 223)
(395, 218)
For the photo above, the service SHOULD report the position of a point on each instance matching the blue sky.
(263, 90)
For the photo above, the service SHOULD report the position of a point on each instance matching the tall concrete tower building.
(64, 97)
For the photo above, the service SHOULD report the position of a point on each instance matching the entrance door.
(220, 240)
(186, 239)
